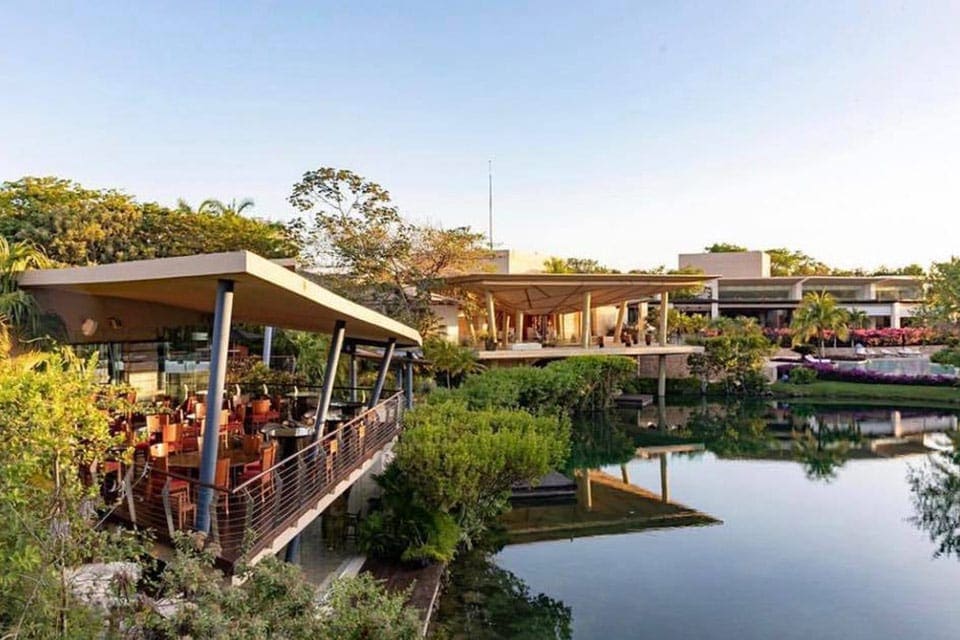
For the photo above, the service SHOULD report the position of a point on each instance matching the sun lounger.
(809, 358)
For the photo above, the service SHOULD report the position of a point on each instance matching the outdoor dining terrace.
(254, 482)
(271, 477)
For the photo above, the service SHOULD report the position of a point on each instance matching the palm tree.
(857, 319)
(219, 208)
(18, 310)
(817, 314)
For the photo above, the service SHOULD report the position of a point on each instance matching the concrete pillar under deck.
(219, 346)
(664, 486)
(586, 491)
(624, 474)
(661, 376)
(491, 318)
(664, 303)
(585, 327)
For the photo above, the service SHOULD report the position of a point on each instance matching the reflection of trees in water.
(598, 440)
(738, 429)
(485, 602)
(820, 447)
(935, 490)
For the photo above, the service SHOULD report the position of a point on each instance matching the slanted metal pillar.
(408, 382)
(585, 328)
(491, 318)
(621, 317)
(329, 378)
(267, 345)
(222, 315)
(352, 372)
(382, 373)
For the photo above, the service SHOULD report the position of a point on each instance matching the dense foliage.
(448, 362)
(573, 384)
(55, 441)
(452, 474)
(734, 357)
(80, 226)
(942, 302)
(274, 601)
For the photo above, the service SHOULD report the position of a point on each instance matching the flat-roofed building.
(746, 288)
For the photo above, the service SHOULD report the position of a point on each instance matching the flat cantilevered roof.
(139, 300)
(545, 293)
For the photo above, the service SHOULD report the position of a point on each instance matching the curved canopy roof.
(545, 293)
(138, 300)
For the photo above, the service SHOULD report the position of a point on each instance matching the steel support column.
(352, 373)
(329, 378)
(408, 382)
(222, 315)
(267, 345)
(382, 373)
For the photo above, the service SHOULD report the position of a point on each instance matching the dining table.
(191, 459)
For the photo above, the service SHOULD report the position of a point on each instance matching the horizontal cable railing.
(261, 504)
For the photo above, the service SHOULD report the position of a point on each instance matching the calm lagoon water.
(800, 553)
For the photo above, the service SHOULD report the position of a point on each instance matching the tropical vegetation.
(818, 315)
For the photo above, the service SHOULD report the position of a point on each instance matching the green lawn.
(857, 390)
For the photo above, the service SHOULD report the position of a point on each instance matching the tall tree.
(356, 236)
(942, 304)
(818, 314)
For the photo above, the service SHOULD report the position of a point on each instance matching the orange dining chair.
(222, 481)
(254, 469)
(173, 437)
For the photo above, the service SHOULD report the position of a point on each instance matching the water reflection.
(810, 538)
(935, 490)
(822, 438)
(485, 602)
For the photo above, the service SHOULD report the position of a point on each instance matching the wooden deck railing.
(248, 517)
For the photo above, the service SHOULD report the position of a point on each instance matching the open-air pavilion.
(511, 299)
(141, 300)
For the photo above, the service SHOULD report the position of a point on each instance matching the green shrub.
(452, 475)
(948, 356)
(803, 375)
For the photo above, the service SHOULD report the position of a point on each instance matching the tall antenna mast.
(490, 198)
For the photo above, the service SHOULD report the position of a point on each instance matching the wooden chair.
(267, 458)
(222, 480)
(173, 436)
(252, 444)
(160, 467)
(156, 422)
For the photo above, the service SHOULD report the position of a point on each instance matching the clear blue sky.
(622, 131)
